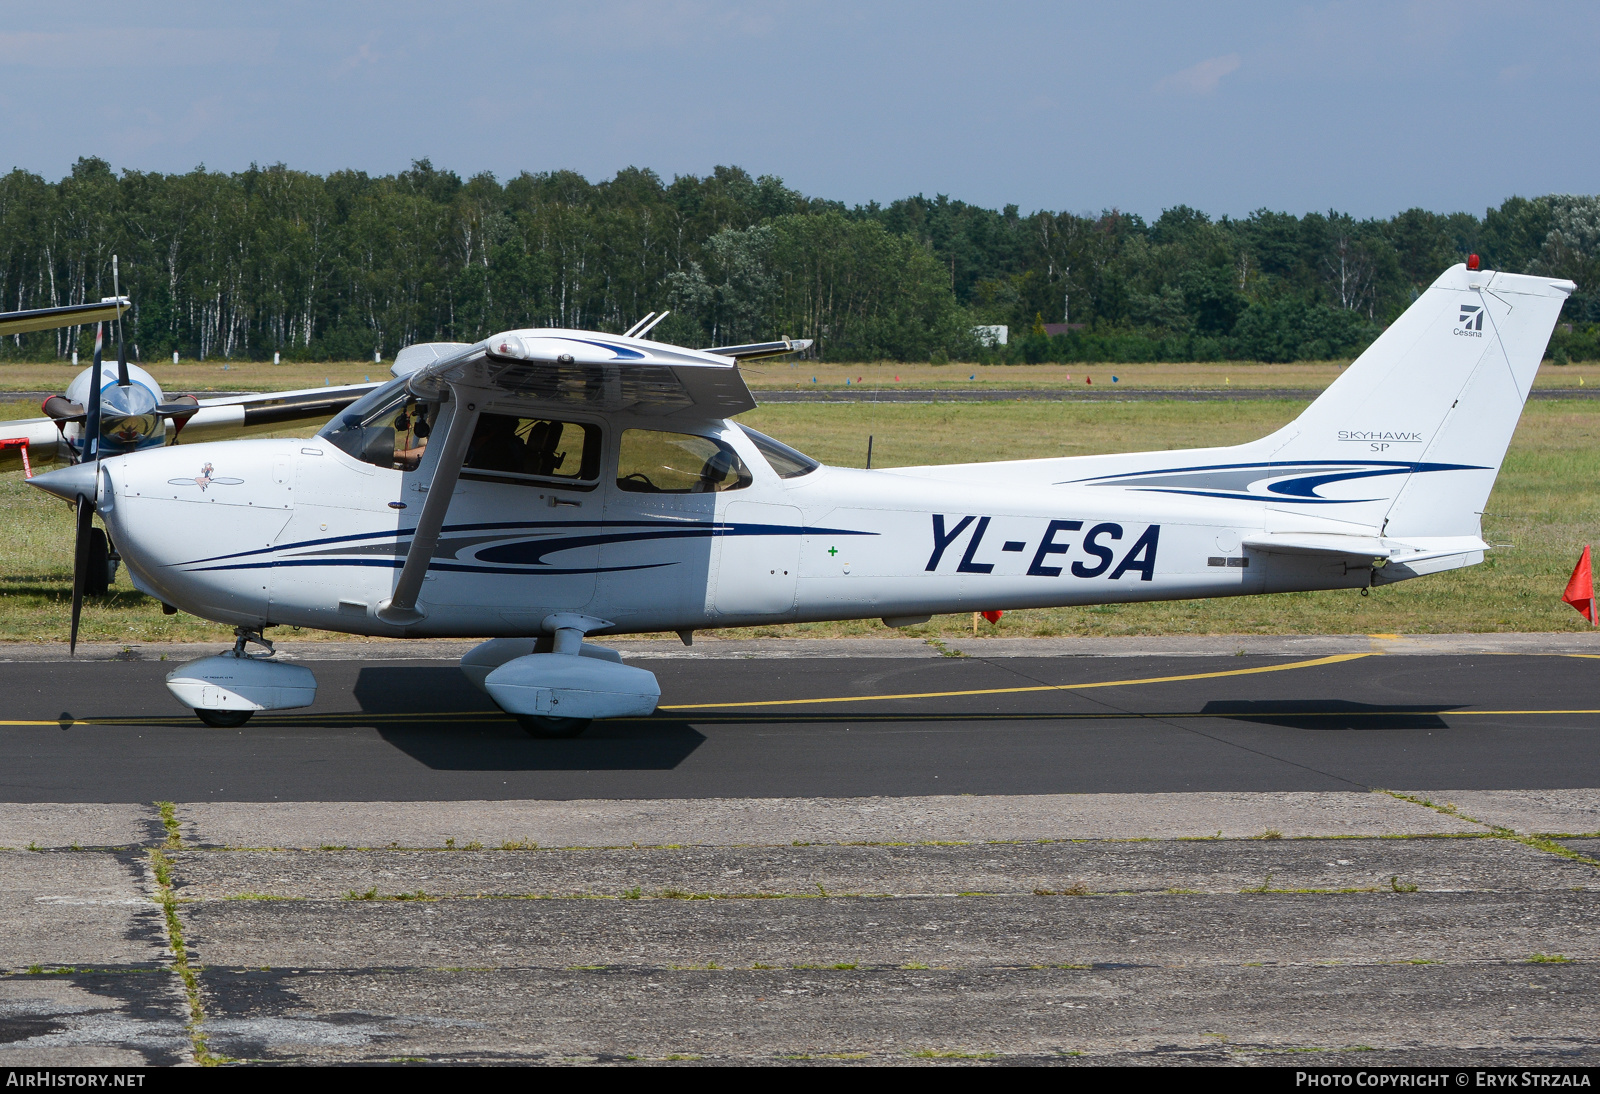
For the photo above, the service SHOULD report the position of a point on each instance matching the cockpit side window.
(654, 462)
(786, 461)
(537, 447)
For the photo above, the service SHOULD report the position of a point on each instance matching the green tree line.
(272, 260)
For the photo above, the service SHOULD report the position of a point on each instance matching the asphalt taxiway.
(1370, 849)
(887, 718)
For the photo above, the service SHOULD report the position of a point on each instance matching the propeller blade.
(80, 567)
(180, 410)
(89, 454)
(90, 447)
(58, 409)
(122, 354)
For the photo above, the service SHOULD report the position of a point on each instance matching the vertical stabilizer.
(1420, 422)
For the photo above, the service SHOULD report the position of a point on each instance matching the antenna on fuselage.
(645, 325)
(651, 324)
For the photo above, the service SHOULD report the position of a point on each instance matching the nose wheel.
(539, 725)
(223, 719)
(225, 690)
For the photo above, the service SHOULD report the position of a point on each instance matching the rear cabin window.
(787, 462)
(542, 448)
(651, 462)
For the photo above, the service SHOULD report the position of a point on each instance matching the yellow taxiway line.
(1333, 660)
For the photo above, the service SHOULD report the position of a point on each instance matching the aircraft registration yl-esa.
(544, 486)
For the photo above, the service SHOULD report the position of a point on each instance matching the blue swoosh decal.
(627, 353)
(512, 557)
(397, 563)
(1297, 480)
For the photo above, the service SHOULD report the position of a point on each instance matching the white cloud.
(1201, 79)
(363, 57)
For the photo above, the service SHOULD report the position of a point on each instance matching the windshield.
(388, 427)
(788, 463)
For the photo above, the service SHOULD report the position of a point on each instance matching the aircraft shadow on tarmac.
(1327, 714)
(496, 743)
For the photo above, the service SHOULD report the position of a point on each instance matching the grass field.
(203, 376)
(1544, 508)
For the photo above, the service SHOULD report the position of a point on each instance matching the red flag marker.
(993, 617)
(1580, 589)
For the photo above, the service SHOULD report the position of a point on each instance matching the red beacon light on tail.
(1472, 262)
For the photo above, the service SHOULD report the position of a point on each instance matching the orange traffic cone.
(1580, 589)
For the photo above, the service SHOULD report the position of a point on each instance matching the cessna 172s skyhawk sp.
(544, 486)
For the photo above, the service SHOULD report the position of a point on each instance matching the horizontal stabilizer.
(1368, 548)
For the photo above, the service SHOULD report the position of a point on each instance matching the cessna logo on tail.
(1471, 321)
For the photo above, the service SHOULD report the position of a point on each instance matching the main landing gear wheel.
(539, 725)
(223, 719)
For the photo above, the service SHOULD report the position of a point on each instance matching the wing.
(242, 415)
(213, 420)
(21, 322)
(756, 350)
(557, 369)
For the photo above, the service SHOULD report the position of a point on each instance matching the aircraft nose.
(70, 483)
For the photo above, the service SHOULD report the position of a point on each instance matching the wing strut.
(401, 607)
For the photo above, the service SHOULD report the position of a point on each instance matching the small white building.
(992, 336)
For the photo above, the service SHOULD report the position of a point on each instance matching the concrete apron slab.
(738, 821)
(107, 1018)
(1370, 1016)
(78, 908)
(1049, 869)
(85, 972)
(83, 825)
(1526, 812)
(1187, 930)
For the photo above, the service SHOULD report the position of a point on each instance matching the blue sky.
(1365, 107)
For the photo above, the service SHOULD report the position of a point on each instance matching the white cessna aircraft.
(544, 486)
